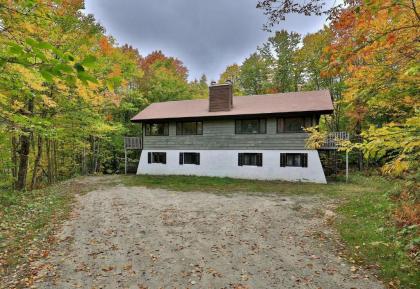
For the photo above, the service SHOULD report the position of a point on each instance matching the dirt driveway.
(134, 237)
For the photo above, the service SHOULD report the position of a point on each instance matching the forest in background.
(68, 90)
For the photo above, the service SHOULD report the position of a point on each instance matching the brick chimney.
(220, 96)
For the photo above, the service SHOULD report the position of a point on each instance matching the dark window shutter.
(198, 158)
(282, 160)
(304, 158)
(149, 158)
(240, 159)
(164, 158)
(259, 159)
(181, 158)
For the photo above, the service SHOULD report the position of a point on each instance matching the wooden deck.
(333, 139)
(132, 143)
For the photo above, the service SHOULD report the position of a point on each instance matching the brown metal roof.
(279, 103)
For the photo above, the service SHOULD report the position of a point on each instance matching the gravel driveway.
(134, 237)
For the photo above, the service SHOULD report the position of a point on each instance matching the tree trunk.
(23, 161)
(54, 158)
(49, 161)
(36, 163)
(15, 145)
(24, 150)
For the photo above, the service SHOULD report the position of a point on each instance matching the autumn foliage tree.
(376, 43)
(374, 49)
(68, 91)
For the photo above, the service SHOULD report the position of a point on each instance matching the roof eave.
(230, 116)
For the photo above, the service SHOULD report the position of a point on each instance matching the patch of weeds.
(365, 224)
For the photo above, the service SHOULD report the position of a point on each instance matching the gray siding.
(220, 134)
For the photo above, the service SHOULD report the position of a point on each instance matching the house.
(252, 137)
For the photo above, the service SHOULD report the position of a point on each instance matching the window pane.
(157, 129)
(199, 127)
(250, 126)
(296, 160)
(289, 160)
(179, 128)
(249, 159)
(293, 160)
(191, 158)
(293, 124)
(159, 157)
(263, 124)
(189, 128)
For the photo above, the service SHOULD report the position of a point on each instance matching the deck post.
(125, 160)
(347, 166)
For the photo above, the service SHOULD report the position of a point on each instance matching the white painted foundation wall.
(224, 163)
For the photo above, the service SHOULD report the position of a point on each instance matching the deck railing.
(333, 138)
(132, 143)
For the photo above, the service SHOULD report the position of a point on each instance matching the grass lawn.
(366, 226)
(364, 223)
(226, 186)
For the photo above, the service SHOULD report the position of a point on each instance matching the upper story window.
(156, 129)
(250, 126)
(189, 128)
(294, 124)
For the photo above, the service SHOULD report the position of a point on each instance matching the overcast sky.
(207, 35)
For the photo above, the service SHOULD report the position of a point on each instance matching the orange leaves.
(109, 117)
(391, 38)
(158, 59)
(375, 44)
(106, 47)
(116, 71)
(153, 57)
(408, 212)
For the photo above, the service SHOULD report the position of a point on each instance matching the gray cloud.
(206, 35)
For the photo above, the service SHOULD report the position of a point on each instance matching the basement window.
(189, 158)
(250, 159)
(250, 126)
(294, 160)
(189, 128)
(157, 129)
(156, 158)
